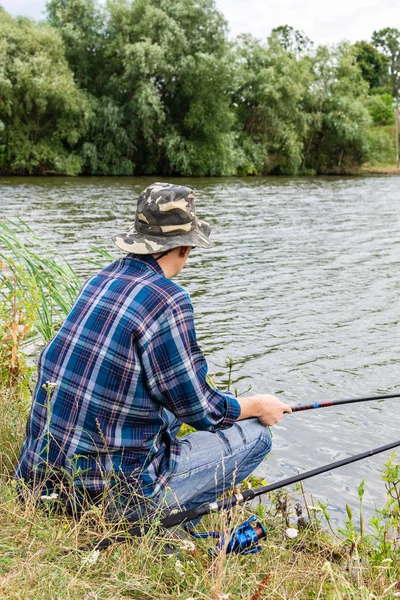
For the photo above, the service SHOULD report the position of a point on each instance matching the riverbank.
(41, 553)
(44, 554)
(384, 170)
(40, 558)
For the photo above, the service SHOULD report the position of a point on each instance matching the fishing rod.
(245, 537)
(227, 503)
(327, 403)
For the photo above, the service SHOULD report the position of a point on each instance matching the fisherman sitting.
(125, 371)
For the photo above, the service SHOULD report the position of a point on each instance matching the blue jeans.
(210, 463)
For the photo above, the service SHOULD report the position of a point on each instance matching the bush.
(381, 109)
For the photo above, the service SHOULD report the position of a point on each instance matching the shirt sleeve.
(176, 372)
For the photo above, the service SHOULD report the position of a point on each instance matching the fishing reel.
(244, 539)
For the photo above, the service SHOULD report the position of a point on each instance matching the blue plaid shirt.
(126, 352)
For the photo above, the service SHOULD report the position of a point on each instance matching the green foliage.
(306, 113)
(373, 64)
(361, 491)
(381, 109)
(41, 109)
(19, 300)
(386, 521)
(158, 72)
(388, 42)
(292, 40)
(19, 303)
(338, 121)
(271, 86)
(140, 87)
(381, 145)
(81, 24)
(48, 286)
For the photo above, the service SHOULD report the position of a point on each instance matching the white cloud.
(324, 22)
(28, 8)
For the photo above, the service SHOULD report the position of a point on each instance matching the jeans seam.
(224, 441)
(240, 430)
(188, 442)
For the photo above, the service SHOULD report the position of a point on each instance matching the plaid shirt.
(126, 352)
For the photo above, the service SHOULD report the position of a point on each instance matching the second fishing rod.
(179, 518)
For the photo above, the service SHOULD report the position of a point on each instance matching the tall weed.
(53, 284)
(37, 291)
(19, 300)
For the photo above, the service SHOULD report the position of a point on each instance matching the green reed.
(46, 279)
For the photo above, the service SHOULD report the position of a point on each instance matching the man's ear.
(184, 251)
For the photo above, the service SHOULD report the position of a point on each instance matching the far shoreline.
(360, 171)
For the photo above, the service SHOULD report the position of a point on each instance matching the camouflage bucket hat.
(165, 219)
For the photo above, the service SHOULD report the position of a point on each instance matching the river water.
(301, 290)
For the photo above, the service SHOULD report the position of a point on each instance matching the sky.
(322, 21)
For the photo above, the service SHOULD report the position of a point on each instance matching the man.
(125, 371)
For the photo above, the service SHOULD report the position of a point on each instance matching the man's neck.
(173, 262)
(168, 266)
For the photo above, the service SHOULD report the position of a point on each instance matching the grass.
(41, 557)
(44, 555)
(380, 170)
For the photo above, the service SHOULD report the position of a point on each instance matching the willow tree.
(269, 92)
(160, 72)
(42, 112)
(338, 120)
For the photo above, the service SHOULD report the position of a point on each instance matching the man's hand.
(268, 409)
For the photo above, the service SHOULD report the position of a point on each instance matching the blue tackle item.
(244, 539)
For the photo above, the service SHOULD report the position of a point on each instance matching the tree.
(338, 120)
(42, 112)
(373, 64)
(269, 94)
(82, 24)
(381, 109)
(388, 41)
(161, 70)
(292, 40)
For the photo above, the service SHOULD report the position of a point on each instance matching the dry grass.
(44, 556)
(380, 170)
(41, 557)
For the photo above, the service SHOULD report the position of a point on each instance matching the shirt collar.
(147, 260)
